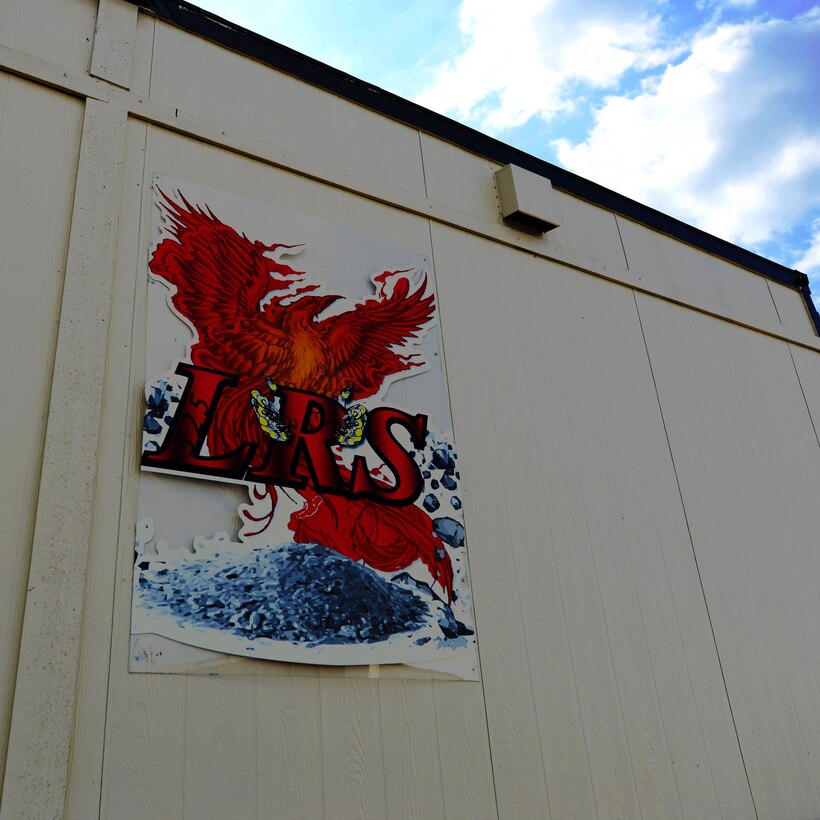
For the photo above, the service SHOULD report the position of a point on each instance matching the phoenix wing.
(369, 343)
(218, 279)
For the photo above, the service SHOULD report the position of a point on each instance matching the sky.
(708, 110)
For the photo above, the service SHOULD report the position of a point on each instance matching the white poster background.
(183, 519)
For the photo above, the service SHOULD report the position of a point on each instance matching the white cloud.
(523, 59)
(729, 138)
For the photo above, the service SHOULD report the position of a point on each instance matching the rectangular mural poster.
(300, 492)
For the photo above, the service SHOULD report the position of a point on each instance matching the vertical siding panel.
(689, 411)
(508, 553)
(39, 140)
(726, 394)
(683, 660)
(289, 748)
(352, 752)
(146, 743)
(479, 366)
(220, 766)
(412, 767)
(592, 383)
(797, 503)
(786, 466)
(464, 750)
(58, 31)
(529, 426)
(528, 471)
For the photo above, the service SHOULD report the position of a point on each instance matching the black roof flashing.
(212, 27)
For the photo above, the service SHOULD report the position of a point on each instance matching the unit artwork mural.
(300, 491)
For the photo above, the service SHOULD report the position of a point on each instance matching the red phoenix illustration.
(256, 318)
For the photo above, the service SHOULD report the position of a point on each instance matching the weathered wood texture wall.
(637, 423)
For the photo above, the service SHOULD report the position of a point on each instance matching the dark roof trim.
(210, 26)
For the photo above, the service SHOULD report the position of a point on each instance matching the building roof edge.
(212, 27)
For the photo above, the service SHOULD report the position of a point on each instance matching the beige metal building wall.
(637, 425)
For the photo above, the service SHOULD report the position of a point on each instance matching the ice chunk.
(450, 627)
(443, 460)
(151, 425)
(449, 531)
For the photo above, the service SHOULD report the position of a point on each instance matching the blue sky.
(708, 110)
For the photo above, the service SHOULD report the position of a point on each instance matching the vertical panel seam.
(803, 393)
(623, 247)
(779, 317)
(321, 754)
(424, 179)
(475, 613)
(153, 57)
(694, 553)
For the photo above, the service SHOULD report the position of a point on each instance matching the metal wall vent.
(526, 199)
